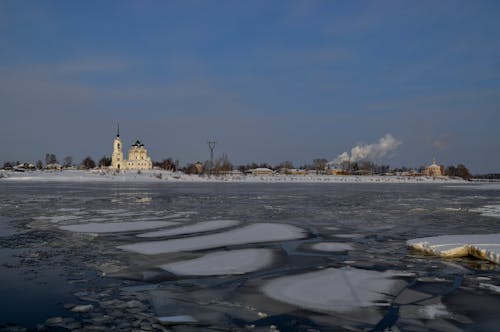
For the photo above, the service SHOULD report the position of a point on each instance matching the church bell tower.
(117, 162)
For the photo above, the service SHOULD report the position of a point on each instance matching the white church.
(138, 158)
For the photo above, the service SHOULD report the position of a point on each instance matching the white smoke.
(370, 152)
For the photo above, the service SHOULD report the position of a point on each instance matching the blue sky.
(269, 80)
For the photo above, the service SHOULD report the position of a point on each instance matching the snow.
(255, 233)
(112, 227)
(493, 288)
(479, 186)
(162, 176)
(58, 219)
(332, 246)
(488, 210)
(433, 311)
(483, 246)
(179, 319)
(196, 228)
(349, 236)
(113, 211)
(332, 290)
(223, 262)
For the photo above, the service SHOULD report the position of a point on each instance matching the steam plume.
(371, 152)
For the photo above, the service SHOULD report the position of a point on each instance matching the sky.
(268, 80)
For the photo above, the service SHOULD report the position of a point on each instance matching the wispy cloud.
(443, 141)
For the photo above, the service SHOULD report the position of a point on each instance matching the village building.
(138, 158)
(433, 170)
(260, 171)
(335, 171)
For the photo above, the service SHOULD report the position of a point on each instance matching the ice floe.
(483, 246)
(488, 210)
(433, 311)
(332, 246)
(112, 227)
(113, 211)
(255, 233)
(478, 186)
(196, 228)
(349, 236)
(493, 288)
(57, 219)
(179, 319)
(223, 262)
(333, 290)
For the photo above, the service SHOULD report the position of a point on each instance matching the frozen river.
(231, 257)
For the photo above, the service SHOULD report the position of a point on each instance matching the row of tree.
(458, 171)
(223, 165)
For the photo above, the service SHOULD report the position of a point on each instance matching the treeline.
(458, 171)
(223, 165)
(51, 162)
(491, 176)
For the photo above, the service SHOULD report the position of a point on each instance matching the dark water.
(46, 271)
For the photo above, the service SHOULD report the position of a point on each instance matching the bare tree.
(285, 164)
(68, 161)
(104, 161)
(7, 165)
(50, 158)
(223, 165)
(88, 163)
(319, 164)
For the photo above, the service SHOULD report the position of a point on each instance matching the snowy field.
(162, 176)
(130, 253)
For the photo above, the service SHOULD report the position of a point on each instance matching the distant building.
(292, 171)
(198, 167)
(331, 170)
(433, 170)
(138, 158)
(260, 171)
(54, 166)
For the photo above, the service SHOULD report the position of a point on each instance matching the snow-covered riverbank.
(162, 176)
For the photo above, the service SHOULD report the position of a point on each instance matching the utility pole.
(211, 145)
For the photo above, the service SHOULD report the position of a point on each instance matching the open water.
(49, 276)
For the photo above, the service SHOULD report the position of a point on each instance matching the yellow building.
(138, 158)
(433, 170)
(260, 171)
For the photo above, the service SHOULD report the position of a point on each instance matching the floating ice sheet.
(488, 210)
(483, 246)
(196, 228)
(223, 262)
(349, 236)
(433, 311)
(332, 290)
(112, 227)
(179, 319)
(57, 219)
(113, 211)
(493, 288)
(332, 246)
(255, 233)
(478, 186)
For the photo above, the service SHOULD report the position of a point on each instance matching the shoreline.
(161, 176)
